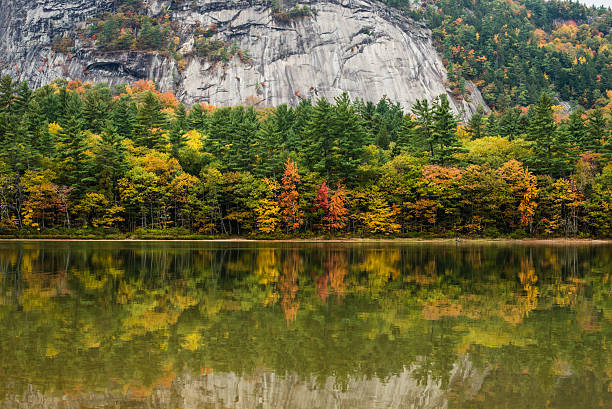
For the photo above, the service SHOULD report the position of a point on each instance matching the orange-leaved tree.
(336, 216)
(289, 197)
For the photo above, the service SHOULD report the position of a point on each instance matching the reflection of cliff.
(267, 390)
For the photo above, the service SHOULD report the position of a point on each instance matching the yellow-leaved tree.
(267, 210)
(380, 217)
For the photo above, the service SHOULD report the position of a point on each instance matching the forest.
(515, 49)
(80, 159)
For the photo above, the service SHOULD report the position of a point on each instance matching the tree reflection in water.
(244, 325)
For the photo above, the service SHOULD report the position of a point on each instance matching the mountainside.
(514, 50)
(228, 52)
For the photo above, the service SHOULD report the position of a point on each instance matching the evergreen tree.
(444, 132)
(197, 118)
(123, 115)
(76, 171)
(244, 126)
(476, 124)
(350, 138)
(542, 132)
(150, 121)
(596, 131)
(424, 125)
(492, 125)
(95, 110)
(406, 134)
(575, 129)
(272, 136)
(23, 99)
(220, 133)
(302, 116)
(7, 93)
(178, 128)
(334, 139)
(509, 125)
(7, 125)
(110, 160)
(43, 143)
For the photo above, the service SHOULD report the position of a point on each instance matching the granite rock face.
(358, 46)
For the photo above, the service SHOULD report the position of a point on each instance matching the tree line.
(128, 158)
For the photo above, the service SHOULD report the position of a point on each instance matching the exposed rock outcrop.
(357, 46)
(268, 390)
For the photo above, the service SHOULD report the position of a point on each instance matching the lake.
(305, 325)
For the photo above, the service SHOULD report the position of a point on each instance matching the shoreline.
(549, 241)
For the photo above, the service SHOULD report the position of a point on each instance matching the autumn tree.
(289, 197)
(267, 210)
(379, 217)
(337, 214)
(332, 206)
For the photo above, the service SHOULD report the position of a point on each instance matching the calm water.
(330, 325)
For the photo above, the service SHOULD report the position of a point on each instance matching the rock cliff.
(357, 46)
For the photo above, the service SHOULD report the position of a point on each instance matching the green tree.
(110, 160)
(542, 132)
(596, 126)
(444, 132)
(476, 124)
(178, 127)
(123, 115)
(150, 123)
(76, 163)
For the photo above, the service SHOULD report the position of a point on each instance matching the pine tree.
(492, 125)
(271, 141)
(596, 130)
(7, 126)
(150, 121)
(350, 138)
(7, 93)
(95, 110)
(42, 141)
(406, 136)
(542, 132)
(123, 115)
(334, 140)
(110, 160)
(34, 140)
(178, 128)
(444, 132)
(23, 99)
(476, 124)
(302, 116)
(77, 170)
(564, 153)
(575, 129)
(424, 123)
(318, 140)
(244, 126)
(509, 125)
(197, 118)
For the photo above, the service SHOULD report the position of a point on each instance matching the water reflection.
(247, 325)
